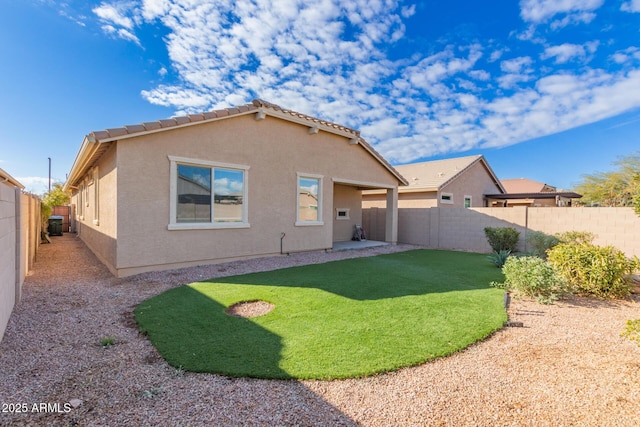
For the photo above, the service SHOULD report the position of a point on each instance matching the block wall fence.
(463, 229)
(19, 240)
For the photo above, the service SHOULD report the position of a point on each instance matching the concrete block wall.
(463, 229)
(19, 240)
(8, 247)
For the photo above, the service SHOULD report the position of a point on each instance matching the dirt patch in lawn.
(250, 308)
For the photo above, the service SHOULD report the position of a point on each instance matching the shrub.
(576, 237)
(499, 258)
(632, 331)
(539, 243)
(532, 276)
(594, 270)
(107, 341)
(502, 238)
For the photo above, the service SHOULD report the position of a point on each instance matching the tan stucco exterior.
(473, 181)
(133, 232)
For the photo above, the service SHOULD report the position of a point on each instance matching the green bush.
(502, 238)
(499, 258)
(532, 276)
(576, 237)
(539, 243)
(632, 331)
(594, 270)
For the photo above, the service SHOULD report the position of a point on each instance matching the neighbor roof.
(524, 185)
(97, 142)
(434, 175)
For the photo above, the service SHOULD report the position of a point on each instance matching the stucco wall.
(463, 229)
(19, 239)
(8, 250)
(96, 220)
(475, 182)
(275, 152)
(346, 197)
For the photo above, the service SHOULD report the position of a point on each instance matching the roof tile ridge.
(260, 103)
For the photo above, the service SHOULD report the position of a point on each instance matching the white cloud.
(573, 19)
(115, 20)
(35, 184)
(539, 11)
(566, 52)
(408, 11)
(329, 59)
(115, 14)
(627, 55)
(631, 6)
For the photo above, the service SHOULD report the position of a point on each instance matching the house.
(249, 181)
(527, 192)
(457, 182)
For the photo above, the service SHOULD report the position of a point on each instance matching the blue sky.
(545, 89)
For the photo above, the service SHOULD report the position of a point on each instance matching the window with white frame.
(81, 202)
(207, 194)
(96, 194)
(446, 198)
(467, 201)
(309, 198)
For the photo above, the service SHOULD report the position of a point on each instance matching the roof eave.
(5, 177)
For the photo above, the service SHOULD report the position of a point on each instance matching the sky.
(545, 89)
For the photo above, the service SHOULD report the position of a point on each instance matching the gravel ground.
(568, 365)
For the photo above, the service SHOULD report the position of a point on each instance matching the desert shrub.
(602, 271)
(502, 238)
(532, 276)
(576, 237)
(499, 258)
(632, 331)
(539, 243)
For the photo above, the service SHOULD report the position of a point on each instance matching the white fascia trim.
(308, 223)
(373, 185)
(198, 162)
(207, 225)
(312, 124)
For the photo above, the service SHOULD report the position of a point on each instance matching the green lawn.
(341, 319)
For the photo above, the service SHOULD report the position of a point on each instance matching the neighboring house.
(243, 182)
(526, 192)
(458, 182)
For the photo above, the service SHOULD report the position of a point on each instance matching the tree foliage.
(56, 197)
(620, 187)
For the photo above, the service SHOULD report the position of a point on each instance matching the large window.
(309, 200)
(207, 194)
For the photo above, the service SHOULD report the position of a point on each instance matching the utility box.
(55, 225)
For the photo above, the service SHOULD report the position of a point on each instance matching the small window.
(342, 213)
(446, 198)
(207, 194)
(467, 201)
(309, 200)
(96, 196)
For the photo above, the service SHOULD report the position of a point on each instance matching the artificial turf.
(340, 319)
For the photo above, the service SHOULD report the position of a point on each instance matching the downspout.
(282, 237)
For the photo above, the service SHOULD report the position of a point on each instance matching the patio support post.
(391, 229)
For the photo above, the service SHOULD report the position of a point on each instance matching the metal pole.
(49, 174)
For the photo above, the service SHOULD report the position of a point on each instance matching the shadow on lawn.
(417, 272)
(241, 347)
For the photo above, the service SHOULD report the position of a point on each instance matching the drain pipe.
(282, 237)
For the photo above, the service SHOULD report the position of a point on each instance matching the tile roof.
(524, 185)
(256, 105)
(89, 154)
(434, 175)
